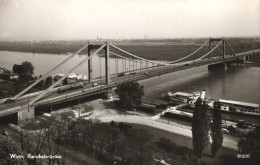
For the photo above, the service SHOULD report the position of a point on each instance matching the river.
(240, 83)
(237, 82)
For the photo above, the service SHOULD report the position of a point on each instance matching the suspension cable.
(209, 51)
(99, 66)
(159, 63)
(190, 54)
(46, 74)
(66, 75)
(231, 48)
(217, 47)
(132, 55)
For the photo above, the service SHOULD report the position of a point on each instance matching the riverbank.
(178, 133)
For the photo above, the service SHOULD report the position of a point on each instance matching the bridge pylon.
(25, 114)
(92, 47)
(223, 40)
(224, 43)
(107, 64)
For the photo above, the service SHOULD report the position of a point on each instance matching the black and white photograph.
(129, 82)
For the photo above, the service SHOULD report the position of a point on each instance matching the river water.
(238, 82)
(44, 62)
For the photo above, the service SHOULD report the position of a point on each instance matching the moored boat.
(226, 105)
(181, 97)
(240, 107)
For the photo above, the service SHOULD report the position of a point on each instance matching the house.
(2, 70)
(14, 76)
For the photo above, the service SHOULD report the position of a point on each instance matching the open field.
(150, 49)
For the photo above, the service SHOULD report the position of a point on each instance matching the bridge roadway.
(53, 97)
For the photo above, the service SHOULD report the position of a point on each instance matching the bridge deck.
(53, 97)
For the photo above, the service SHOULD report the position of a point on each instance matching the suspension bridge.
(134, 68)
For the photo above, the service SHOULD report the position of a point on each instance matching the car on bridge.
(94, 84)
(9, 100)
(69, 87)
(120, 74)
(4, 132)
(132, 73)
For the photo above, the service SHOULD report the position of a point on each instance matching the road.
(228, 142)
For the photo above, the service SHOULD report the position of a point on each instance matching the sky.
(127, 19)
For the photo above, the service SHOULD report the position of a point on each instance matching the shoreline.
(106, 112)
(180, 134)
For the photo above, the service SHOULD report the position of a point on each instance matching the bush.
(166, 144)
(161, 106)
(181, 150)
(145, 109)
(130, 94)
(26, 77)
(123, 127)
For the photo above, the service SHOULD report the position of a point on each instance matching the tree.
(113, 133)
(45, 135)
(65, 81)
(130, 94)
(140, 139)
(216, 129)
(92, 132)
(102, 137)
(25, 70)
(18, 69)
(25, 141)
(28, 67)
(41, 83)
(51, 147)
(26, 77)
(48, 81)
(250, 145)
(166, 144)
(7, 148)
(121, 146)
(40, 133)
(67, 118)
(200, 127)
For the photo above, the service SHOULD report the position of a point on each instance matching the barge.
(239, 107)
(226, 105)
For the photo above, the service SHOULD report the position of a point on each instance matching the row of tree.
(206, 125)
(45, 83)
(24, 68)
(106, 140)
(250, 145)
